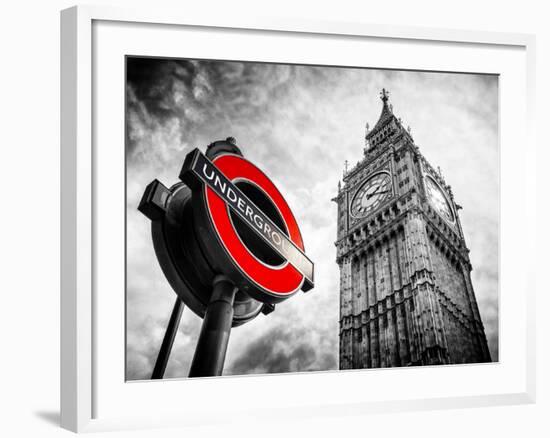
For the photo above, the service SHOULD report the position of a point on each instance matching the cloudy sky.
(299, 124)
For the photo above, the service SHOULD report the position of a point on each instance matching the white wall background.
(29, 223)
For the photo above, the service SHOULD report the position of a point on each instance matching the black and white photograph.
(287, 218)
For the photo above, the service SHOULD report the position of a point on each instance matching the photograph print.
(285, 218)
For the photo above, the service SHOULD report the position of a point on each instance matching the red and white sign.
(218, 200)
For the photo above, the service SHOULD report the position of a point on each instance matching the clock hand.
(370, 195)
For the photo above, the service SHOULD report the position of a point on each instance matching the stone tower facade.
(406, 296)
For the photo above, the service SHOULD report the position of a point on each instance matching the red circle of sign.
(283, 280)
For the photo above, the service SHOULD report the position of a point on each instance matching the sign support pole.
(168, 341)
(212, 345)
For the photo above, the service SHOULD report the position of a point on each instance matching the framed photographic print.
(327, 212)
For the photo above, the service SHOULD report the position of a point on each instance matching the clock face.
(371, 195)
(438, 199)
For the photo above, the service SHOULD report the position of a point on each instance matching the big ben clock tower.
(406, 296)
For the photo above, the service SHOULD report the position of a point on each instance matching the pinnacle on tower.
(385, 116)
(384, 95)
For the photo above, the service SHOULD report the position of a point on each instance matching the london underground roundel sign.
(246, 228)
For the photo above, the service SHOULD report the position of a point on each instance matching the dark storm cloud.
(155, 83)
(282, 350)
(299, 124)
(195, 93)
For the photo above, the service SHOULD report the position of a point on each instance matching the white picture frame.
(94, 396)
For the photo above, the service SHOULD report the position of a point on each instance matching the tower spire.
(384, 95)
(386, 116)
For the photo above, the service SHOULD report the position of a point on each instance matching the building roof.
(385, 116)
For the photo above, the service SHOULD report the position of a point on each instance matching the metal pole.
(168, 341)
(212, 345)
